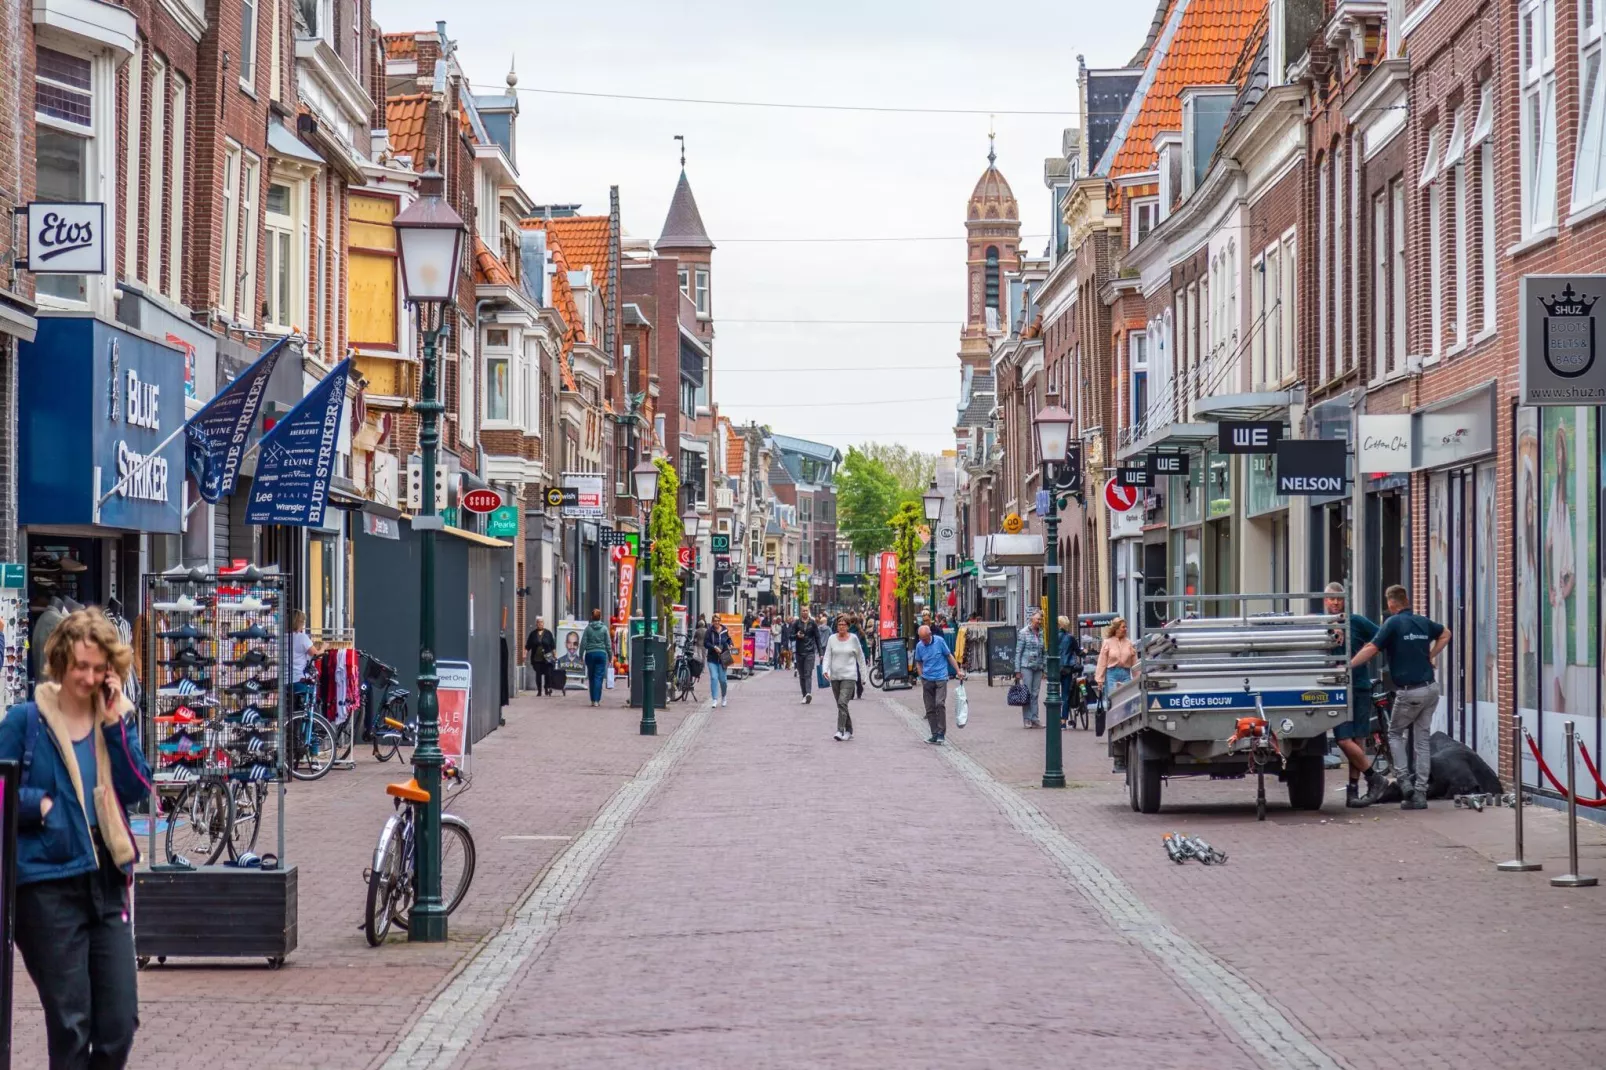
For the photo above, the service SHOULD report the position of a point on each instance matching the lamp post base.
(1053, 780)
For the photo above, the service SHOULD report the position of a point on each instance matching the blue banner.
(214, 440)
(297, 459)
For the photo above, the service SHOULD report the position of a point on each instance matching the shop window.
(231, 228)
(1589, 170)
(64, 146)
(1536, 51)
(287, 277)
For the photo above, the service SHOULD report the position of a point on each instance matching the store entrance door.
(1461, 577)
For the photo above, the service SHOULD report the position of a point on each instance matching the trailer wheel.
(1146, 781)
(1306, 777)
(1132, 774)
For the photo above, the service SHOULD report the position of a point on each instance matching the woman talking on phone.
(81, 766)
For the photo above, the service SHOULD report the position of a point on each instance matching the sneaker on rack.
(189, 631)
(251, 659)
(182, 715)
(72, 564)
(182, 604)
(255, 631)
(184, 686)
(251, 685)
(248, 604)
(188, 658)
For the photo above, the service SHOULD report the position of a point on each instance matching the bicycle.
(214, 814)
(310, 740)
(393, 725)
(682, 680)
(390, 878)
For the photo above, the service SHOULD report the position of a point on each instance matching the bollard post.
(1518, 864)
(1571, 879)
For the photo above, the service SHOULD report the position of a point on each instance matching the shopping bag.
(961, 705)
(610, 674)
(819, 677)
(1019, 695)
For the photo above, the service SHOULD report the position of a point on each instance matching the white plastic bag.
(961, 705)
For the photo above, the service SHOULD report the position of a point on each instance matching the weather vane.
(682, 139)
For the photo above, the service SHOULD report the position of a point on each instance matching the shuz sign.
(1249, 436)
(66, 239)
(1559, 340)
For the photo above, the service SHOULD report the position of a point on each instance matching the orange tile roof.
(735, 449)
(1203, 51)
(488, 267)
(400, 45)
(404, 119)
(568, 311)
(584, 239)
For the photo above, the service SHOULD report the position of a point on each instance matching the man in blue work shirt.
(1412, 642)
(933, 661)
(1351, 735)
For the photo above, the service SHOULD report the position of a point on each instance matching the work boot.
(1417, 800)
(1376, 785)
(1352, 797)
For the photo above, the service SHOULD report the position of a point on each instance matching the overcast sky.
(772, 173)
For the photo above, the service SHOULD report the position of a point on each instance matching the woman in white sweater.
(844, 666)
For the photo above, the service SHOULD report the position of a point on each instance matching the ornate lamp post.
(932, 501)
(645, 475)
(1053, 440)
(431, 238)
(691, 522)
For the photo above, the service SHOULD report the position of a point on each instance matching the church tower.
(992, 238)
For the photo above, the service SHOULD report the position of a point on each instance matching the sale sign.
(627, 583)
(889, 598)
(456, 682)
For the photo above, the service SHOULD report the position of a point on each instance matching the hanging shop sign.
(298, 457)
(627, 584)
(1119, 497)
(453, 690)
(66, 239)
(481, 500)
(1456, 430)
(587, 498)
(1134, 474)
(1167, 464)
(216, 437)
(888, 621)
(503, 523)
(1013, 523)
(1560, 340)
(1311, 466)
(1066, 476)
(685, 555)
(381, 527)
(101, 414)
(1249, 436)
(719, 544)
(1385, 443)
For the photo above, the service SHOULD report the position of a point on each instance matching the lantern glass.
(1053, 433)
(932, 500)
(646, 476)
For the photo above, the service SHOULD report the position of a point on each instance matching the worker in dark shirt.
(1412, 642)
(1351, 736)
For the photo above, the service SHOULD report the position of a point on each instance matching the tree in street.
(665, 530)
(906, 525)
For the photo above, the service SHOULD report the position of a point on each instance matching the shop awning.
(1012, 550)
(1174, 435)
(1260, 405)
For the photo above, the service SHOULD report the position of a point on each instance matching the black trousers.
(543, 677)
(805, 670)
(78, 946)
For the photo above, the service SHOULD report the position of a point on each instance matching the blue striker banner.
(214, 440)
(297, 458)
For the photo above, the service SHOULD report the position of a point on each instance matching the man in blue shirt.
(1412, 642)
(933, 660)
(1351, 736)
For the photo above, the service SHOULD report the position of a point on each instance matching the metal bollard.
(1519, 864)
(1571, 879)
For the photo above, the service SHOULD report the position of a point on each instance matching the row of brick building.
(246, 160)
(1295, 212)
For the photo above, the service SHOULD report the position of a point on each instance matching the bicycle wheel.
(343, 738)
(385, 882)
(198, 825)
(312, 746)
(248, 800)
(877, 677)
(387, 739)
(457, 861)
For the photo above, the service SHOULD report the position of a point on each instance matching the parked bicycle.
(394, 725)
(390, 878)
(214, 814)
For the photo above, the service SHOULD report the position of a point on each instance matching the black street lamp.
(691, 522)
(932, 500)
(1053, 440)
(431, 237)
(646, 477)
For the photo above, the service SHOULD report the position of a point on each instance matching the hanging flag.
(297, 458)
(889, 595)
(215, 438)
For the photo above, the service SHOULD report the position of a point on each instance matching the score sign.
(482, 501)
(1120, 497)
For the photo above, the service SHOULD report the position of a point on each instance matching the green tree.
(867, 494)
(664, 531)
(906, 525)
(802, 586)
(912, 469)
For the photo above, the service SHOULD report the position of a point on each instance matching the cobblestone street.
(760, 895)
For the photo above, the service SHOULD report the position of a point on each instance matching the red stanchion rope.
(1589, 764)
(1545, 769)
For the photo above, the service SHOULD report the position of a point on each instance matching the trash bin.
(660, 676)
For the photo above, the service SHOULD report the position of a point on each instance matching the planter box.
(215, 912)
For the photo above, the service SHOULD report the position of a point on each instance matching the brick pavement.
(338, 1003)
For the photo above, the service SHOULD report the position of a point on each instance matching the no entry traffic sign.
(1119, 496)
(482, 501)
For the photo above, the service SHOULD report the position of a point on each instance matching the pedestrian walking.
(1412, 642)
(1070, 652)
(1029, 658)
(595, 649)
(1350, 735)
(805, 651)
(775, 642)
(541, 646)
(82, 765)
(717, 644)
(1117, 656)
(933, 662)
(845, 670)
(855, 630)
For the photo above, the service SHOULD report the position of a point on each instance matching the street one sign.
(66, 239)
(1311, 466)
(481, 500)
(1249, 436)
(1119, 497)
(1167, 464)
(1560, 340)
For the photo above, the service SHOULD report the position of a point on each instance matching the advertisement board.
(587, 488)
(889, 597)
(453, 691)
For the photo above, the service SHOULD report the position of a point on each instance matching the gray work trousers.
(1413, 708)
(843, 691)
(935, 693)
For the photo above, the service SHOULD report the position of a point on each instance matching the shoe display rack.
(14, 647)
(217, 660)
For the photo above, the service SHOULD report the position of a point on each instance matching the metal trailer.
(1229, 696)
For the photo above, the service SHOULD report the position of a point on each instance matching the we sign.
(1249, 436)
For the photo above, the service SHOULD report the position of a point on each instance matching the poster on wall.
(761, 647)
(569, 660)
(1527, 578)
(1569, 622)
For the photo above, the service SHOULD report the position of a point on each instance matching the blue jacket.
(59, 844)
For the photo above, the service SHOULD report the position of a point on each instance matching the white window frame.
(494, 354)
(685, 280)
(1339, 267)
(251, 211)
(1272, 280)
(178, 204)
(156, 170)
(1455, 158)
(133, 162)
(702, 296)
(532, 383)
(1322, 270)
(467, 399)
(1536, 66)
(1257, 320)
(1144, 208)
(1436, 267)
(1137, 350)
(1398, 281)
(276, 61)
(1482, 142)
(1290, 308)
(250, 25)
(228, 290)
(96, 138)
(1589, 165)
(281, 232)
(1382, 250)
(1355, 265)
